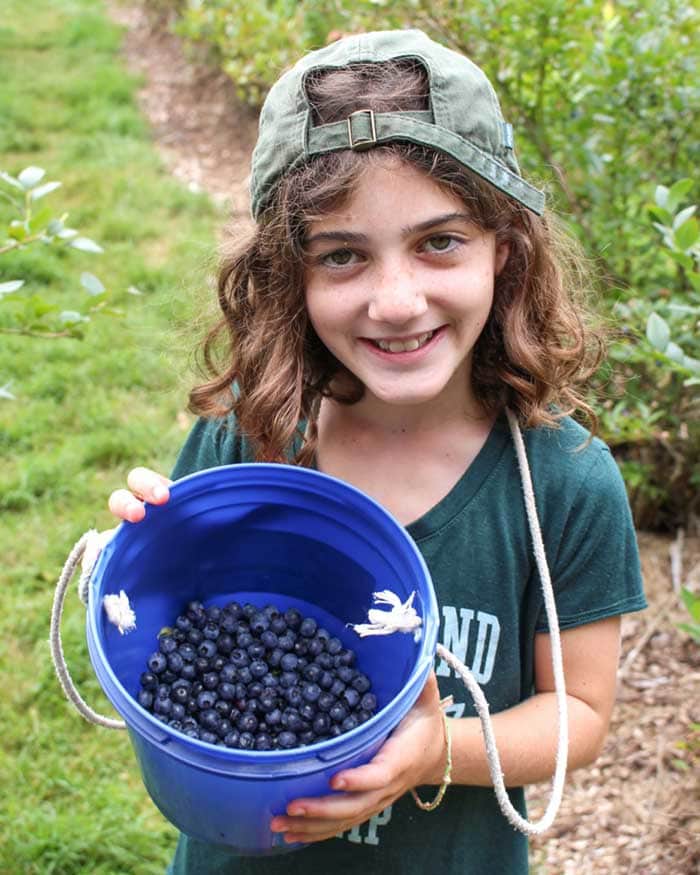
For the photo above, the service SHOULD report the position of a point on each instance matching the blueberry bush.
(652, 419)
(600, 94)
(24, 310)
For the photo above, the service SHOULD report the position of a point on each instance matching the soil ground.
(638, 809)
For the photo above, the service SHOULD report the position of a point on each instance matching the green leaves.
(84, 244)
(9, 287)
(669, 198)
(658, 332)
(30, 177)
(91, 284)
(32, 314)
(691, 601)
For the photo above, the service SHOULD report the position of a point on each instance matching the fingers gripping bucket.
(265, 534)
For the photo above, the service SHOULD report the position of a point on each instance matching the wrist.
(444, 775)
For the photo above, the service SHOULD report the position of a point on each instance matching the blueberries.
(233, 609)
(311, 692)
(223, 708)
(195, 637)
(259, 624)
(177, 712)
(293, 618)
(187, 651)
(162, 706)
(286, 642)
(326, 701)
(225, 643)
(210, 680)
(253, 678)
(206, 700)
(338, 713)
(167, 644)
(175, 662)
(188, 671)
(263, 741)
(239, 658)
(361, 683)
(287, 739)
(228, 673)
(231, 740)
(334, 646)
(157, 663)
(207, 649)
(180, 694)
(368, 702)
(321, 724)
(247, 722)
(289, 662)
(258, 668)
(227, 691)
(278, 625)
(351, 697)
(183, 623)
(308, 627)
(148, 680)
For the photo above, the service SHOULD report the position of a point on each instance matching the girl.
(400, 290)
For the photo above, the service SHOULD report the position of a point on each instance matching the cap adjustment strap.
(362, 130)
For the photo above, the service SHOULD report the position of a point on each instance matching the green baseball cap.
(464, 119)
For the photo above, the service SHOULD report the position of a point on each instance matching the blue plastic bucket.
(265, 534)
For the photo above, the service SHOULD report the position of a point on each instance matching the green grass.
(86, 411)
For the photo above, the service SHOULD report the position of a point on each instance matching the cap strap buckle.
(362, 130)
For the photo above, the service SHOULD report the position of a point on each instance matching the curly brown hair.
(263, 360)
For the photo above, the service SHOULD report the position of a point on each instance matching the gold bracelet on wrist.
(446, 778)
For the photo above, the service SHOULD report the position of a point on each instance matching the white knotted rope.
(402, 617)
(87, 546)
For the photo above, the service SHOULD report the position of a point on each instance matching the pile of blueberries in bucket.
(254, 678)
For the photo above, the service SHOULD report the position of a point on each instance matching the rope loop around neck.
(402, 617)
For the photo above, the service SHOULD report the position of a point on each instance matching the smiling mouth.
(408, 345)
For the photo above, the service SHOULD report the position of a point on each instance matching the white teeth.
(405, 345)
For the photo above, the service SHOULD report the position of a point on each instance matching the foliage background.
(84, 410)
(604, 100)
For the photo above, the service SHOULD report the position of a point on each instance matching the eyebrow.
(406, 231)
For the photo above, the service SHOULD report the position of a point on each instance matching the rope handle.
(402, 617)
(59, 661)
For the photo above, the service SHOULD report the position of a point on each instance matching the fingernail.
(339, 783)
(296, 811)
(160, 493)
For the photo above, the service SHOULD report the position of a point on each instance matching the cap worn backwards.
(464, 119)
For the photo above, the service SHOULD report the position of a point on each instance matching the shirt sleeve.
(212, 442)
(596, 571)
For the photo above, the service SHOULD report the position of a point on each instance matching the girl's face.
(400, 285)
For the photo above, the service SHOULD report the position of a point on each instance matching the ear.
(502, 253)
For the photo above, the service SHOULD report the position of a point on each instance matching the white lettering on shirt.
(355, 834)
(456, 635)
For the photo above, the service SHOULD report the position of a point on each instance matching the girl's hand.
(144, 485)
(413, 755)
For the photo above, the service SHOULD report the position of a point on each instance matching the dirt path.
(638, 810)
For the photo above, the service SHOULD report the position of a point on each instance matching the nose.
(397, 296)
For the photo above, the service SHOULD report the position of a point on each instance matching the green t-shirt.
(476, 543)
